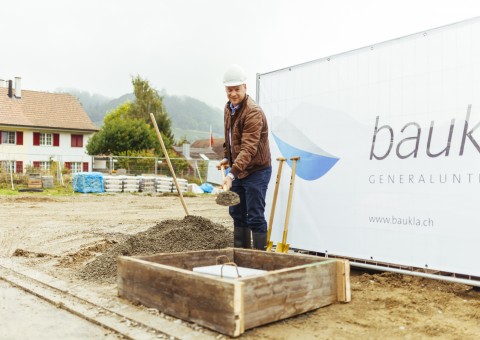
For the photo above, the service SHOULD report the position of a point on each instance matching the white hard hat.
(234, 76)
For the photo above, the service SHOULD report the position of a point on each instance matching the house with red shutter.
(39, 128)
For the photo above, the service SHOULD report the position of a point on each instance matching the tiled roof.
(217, 146)
(44, 110)
(202, 146)
(195, 153)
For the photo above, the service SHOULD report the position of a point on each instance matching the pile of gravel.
(169, 236)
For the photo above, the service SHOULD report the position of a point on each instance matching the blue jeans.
(250, 212)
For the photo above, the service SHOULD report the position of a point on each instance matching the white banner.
(389, 141)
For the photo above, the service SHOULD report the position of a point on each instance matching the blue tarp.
(88, 182)
(206, 187)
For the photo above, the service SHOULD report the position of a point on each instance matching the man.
(247, 152)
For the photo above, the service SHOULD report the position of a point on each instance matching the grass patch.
(56, 191)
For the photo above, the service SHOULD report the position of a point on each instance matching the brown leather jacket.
(250, 148)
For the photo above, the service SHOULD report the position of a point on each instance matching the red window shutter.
(19, 167)
(56, 139)
(36, 165)
(36, 138)
(77, 141)
(19, 137)
(85, 166)
(68, 165)
(0, 137)
(73, 141)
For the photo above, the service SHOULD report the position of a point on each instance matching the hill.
(191, 118)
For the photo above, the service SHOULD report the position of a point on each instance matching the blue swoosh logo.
(311, 166)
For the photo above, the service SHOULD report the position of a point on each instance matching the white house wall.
(28, 153)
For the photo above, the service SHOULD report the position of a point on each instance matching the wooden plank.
(289, 292)
(239, 309)
(272, 261)
(348, 291)
(190, 259)
(206, 300)
(343, 281)
(35, 183)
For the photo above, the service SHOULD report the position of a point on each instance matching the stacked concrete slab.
(143, 184)
(182, 184)
(164, 184)
(147, 184)
(131, 184)
(113, 183)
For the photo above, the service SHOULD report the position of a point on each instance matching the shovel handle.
(290, 194)
(274, 201)
(159, 135)
(222, 169)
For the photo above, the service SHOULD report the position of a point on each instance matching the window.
(44, 165)
(77, 141)
(8, 137)
(76, 167)
(46, 139)
(8, 165)
(12, 166)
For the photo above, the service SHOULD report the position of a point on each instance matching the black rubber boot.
(247, 238)
(259, 241)
(238, 237)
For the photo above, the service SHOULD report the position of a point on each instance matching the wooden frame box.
(294, 284)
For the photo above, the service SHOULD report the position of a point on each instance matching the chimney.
(186, 150)
(2, 83)
(18, 87)
(10, 94)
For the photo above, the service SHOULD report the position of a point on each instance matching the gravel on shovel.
(227, 198)
(169, 236)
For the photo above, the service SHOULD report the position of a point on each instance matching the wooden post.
(343, 281)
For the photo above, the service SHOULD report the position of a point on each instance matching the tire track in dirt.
(10, 239)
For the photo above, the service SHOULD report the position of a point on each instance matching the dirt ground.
(60, 235)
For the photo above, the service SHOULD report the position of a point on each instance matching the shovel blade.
(282, 248)
(228, 198)
(269, 246)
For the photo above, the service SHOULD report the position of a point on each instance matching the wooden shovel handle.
(159, 135)
(222, 169)
(275, 194)
(290, 194)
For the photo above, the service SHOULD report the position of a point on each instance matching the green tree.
(147, 100)
(182, 141)
(122, 135)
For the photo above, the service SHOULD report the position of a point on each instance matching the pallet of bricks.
(166, 184)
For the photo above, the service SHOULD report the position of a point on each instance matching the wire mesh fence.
(194, 170)
(13, 173)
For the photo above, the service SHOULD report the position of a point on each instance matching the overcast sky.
(184, 46)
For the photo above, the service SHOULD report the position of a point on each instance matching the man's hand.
(224, 163)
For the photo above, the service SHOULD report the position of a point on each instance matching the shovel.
(283, 246)
(274, 202)
(152, 117)
(227, 198)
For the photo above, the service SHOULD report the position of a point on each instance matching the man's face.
(236, 94)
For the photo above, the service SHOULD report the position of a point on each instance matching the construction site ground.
(45, 241)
